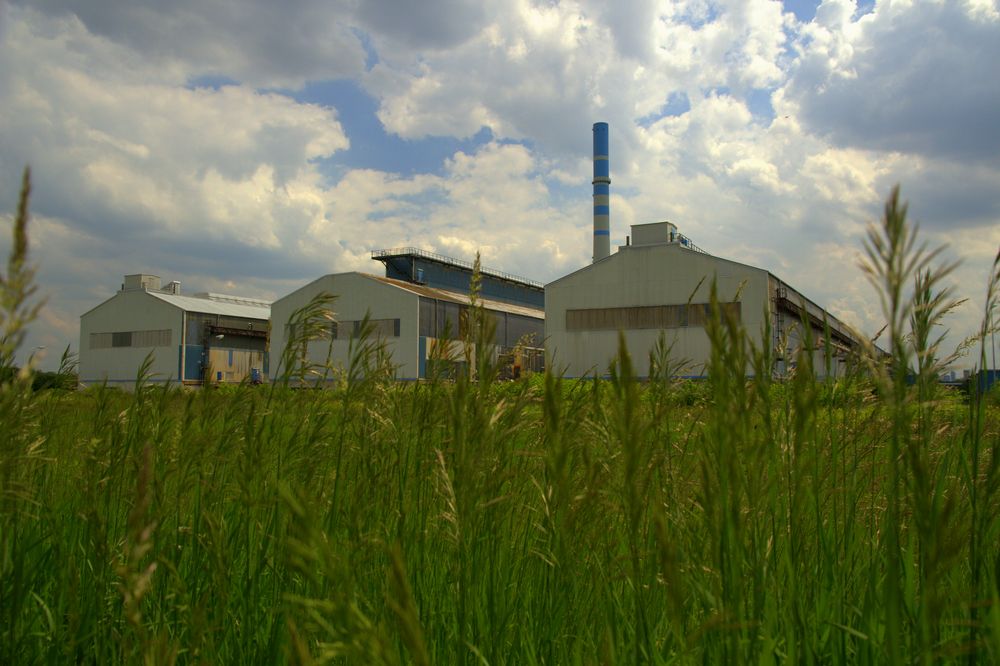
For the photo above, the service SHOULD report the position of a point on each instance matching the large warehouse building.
(418, 304)
(659, 282)
(192, 339)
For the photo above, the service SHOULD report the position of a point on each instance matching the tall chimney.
(602, 192)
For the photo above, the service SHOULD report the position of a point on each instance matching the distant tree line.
(42, 380)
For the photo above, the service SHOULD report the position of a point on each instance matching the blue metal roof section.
(417, 266)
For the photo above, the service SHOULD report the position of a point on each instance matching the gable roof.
(213, 306)
(624, 251)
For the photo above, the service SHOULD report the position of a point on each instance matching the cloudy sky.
(248, 146)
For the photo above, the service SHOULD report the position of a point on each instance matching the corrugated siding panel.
(160, 338)
(380, 328)
(645, 317)
(100, 340)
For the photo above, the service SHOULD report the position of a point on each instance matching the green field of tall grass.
(543, 521)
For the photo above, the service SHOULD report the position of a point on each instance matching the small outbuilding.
(190, 339)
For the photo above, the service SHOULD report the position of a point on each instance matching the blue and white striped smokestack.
(602, 193)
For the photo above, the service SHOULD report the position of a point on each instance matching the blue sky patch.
(804, 10)
(371, 55)
(677, 105)
(711, 13)
(371, 146)
(210, 81)
(759, 102)
(864, 7)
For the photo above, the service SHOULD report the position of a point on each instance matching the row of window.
(161, 338)
(645, 317)
(438, 318)
(444, 319)
(347, 329)
(379, 328)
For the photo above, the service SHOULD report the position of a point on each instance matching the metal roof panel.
(456, 297)
(211, 306)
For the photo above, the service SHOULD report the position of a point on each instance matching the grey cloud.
(105, 235)
(426, 24)
(946, 196)
(629, 24)
(923, 82)
(263, 43)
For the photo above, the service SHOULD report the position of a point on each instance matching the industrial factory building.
(192, 339)
(658, 283)
(661, 282)
(417, 305)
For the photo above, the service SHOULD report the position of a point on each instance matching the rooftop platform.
(421, 267)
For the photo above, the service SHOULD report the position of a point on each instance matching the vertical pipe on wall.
(602, 192)
(183, 346)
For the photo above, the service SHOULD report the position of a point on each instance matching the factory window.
(380, 328)
(438, 317)
(499, 320)
(448, 319)
(426, 318)
(645, 317)
(100, 340)
(467, 320)
(526, 329)
(295, 331)
(159, 338)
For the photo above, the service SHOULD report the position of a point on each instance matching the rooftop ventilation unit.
(141, 281)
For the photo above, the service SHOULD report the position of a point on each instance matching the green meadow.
(734, 520)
